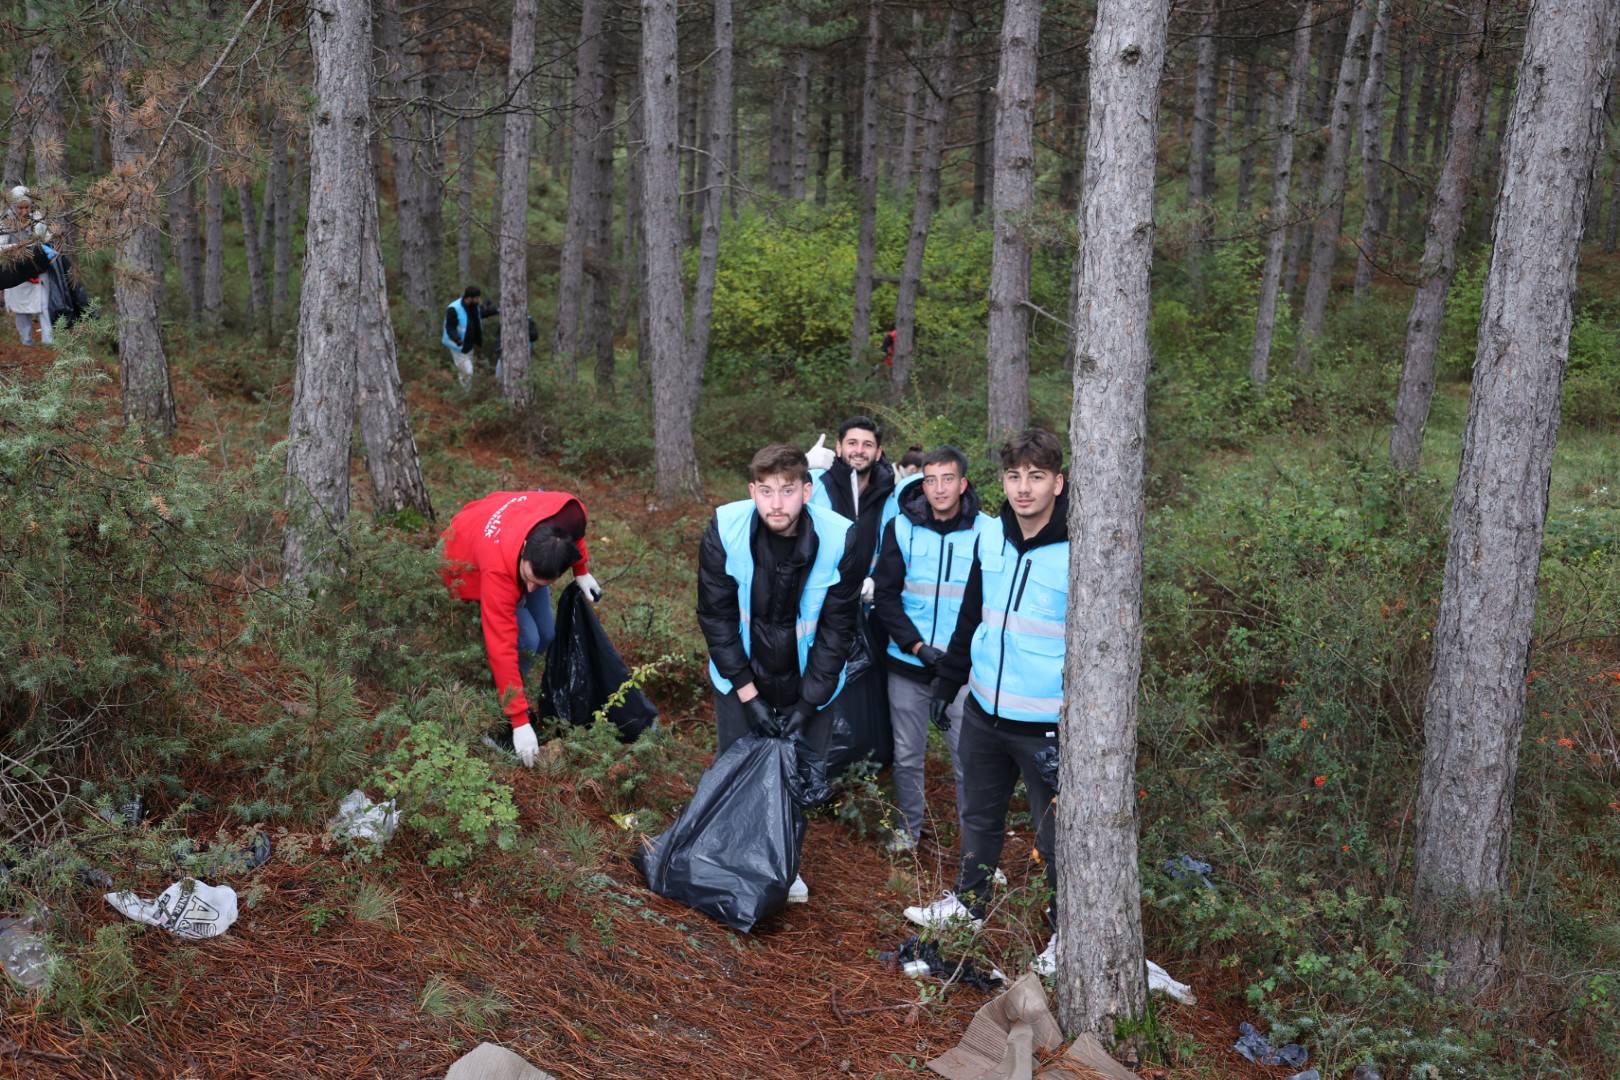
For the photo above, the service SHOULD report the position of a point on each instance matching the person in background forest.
(779, 581)
(921, 578)
(29, 299)
(1008, 648)
(504, 551)
(463, 331)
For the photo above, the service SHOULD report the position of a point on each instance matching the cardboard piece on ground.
(989, 1048)
(1086, 1057)
(486, 1061)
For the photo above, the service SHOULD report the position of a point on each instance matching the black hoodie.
(889, 578)
(952, 671)
(867, 516)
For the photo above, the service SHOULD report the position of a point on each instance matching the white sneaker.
(900, 843)
(942, 913)
(798, 892)
(1045, 965)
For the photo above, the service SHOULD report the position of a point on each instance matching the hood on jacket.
(878, 487)
(914, 505)
(1056, 531)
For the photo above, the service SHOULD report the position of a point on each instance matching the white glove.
(525, 744)
(589, 586)
(868, 590)
(819, 456)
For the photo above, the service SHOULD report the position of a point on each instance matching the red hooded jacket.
(481, 551)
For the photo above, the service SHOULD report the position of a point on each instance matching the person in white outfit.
(29, 300)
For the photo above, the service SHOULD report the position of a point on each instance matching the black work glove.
(943, 695)
(930, 656)
(762, 719)
(798, 718)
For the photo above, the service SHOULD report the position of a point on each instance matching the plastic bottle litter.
(358, 818)
(190, 909)
(25, 955)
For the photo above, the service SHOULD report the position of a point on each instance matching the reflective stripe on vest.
(735, 523)
(1017, 650)
(937, 566)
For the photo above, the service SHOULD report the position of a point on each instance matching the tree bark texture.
(280, 181)
(1474, 712)
(403, 82)
(466, 171)
(1330, 195)
(1372, 150)
(1439, 266)
(913, 105)
(801, 116)
(46, 80)
(711, 196)
(330, 302)
(674, 453)
(1399, 194)
(596, 334)
(1201, 159)
(1271, 278)
(1248, 152)
(253, 254)
(14, 171)
(587, 122)
(185, 238)
(866, 248)
(936, 117)
(1007, 340)
(213, 296)
(1101, 980)
(148, 396)
(514, 248)
(824, 151)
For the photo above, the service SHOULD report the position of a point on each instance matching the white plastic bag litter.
(358, 818)
(190, 909)
(1161, 983)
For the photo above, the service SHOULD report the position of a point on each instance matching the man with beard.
(778, 585)
(856, 483)
(920, 581)
(1008, 649)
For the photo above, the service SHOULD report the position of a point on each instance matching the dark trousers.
(992, 759)
(730, 725)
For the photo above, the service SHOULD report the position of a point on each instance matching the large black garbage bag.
(23, 264)
(583, 670)
(734, 851)
(68, 300)
(860, 713)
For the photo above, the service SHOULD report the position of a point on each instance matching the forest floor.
(388, 969)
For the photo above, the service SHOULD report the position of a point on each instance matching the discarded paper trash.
(358, 818)
(1159, 982)
(25, 955)
(486, 1061)
(1001, 1039)
(189, 909)
(1086, 1053)
(1258, 1049)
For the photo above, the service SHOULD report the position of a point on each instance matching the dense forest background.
(222, 496)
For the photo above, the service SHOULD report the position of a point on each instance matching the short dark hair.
(549, 552)
(947, 455)
(865, 423)
(1036, 447)
(470, 291)
(779, 459)
(914, 458)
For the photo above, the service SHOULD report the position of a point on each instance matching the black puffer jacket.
(889, 579)
(836, 484)
(779, 572)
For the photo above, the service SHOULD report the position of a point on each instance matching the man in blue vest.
(464, 330)
(1008, 649)
(921, 577)
(779, 582)
(857, 482)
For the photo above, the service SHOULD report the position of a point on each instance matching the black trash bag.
(68, 300)
(964, 971)
(23, 264)
(734, 851)
(860, 713)
(583, 670)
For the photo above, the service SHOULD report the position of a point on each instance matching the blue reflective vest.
(735, 522)
(891, 509)
(461, 325)
(1017, 651)
(937, 566)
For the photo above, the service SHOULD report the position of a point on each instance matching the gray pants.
(730, 724)
(909, 702)
(992, 760)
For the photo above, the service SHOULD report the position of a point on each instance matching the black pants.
(730, 724)
(992, 759)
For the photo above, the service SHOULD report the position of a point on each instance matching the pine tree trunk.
(1330, 195)
(829, 89)
(14, 170)
(1253, 90)
(668, 360)
(1493, 153)
(587, 124)
(1474, 713)
(712, 194)
(779, 173)
(213, 298)
(148, 396)
(1433, 66)
(254, 257)
(1271, 278)
(1400, 192)
(1439, 266)
(849, 158)
(1101, 979)
(466, 173)
(1612, 235)
(514, 219)
(329, 318)
(185, 246)
(734, 170)
(403, 83)
(637, 136)
(697, 134)
(1201, 159)
(801, 115)
(936, 117)
(1447, 96)
(984, 137)
(596, 337)
(1372, 151)
(281, 225)
(46, 80)
(913, 105)
(866, 249)
(1007, 339)
(385, 420)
